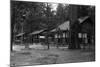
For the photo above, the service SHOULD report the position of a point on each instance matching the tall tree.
(74, 25)
(20, 12)
(62, 11)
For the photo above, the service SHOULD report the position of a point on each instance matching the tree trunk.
(11, 46)
(47, 42)
(11, 41)
(74, 44)
(48, 46)
(57, 40)
(77, 41)
(66, 38)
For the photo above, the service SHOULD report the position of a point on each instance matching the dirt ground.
(28, 57)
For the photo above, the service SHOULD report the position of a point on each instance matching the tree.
(62, 12)
(19, 14)
(28, 17)
(77, 11)
(74, 25)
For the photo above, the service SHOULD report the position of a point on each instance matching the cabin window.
(59, 36)
(63, 35)
(55, 35)
(84, 35)
(42, 36)
(80, 35)
(66, 35)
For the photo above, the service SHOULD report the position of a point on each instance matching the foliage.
(34, 15)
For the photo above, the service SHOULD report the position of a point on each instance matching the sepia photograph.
(43, 33)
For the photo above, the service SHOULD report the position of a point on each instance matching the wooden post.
(57, 39)
(65, 37)
(48, 43)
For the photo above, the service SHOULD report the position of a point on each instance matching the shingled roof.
(20, 34)
(36, 32)
(63, 26)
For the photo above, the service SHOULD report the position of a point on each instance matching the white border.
(82, 2)
(5, 33)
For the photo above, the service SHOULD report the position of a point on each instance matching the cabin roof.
(20, 34)
(81, 20)
(63, 26)
(36, 32)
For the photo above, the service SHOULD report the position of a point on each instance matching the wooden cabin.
(87, 30)
(61, 33)
(36, 36)
(18, 39)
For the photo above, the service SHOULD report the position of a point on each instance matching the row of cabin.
(61, 34)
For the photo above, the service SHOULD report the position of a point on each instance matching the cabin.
(18, 39)
(61, 33)
(54, 35)
(37, 36)
(86, 33)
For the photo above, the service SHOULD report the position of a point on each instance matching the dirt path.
(52, 56)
